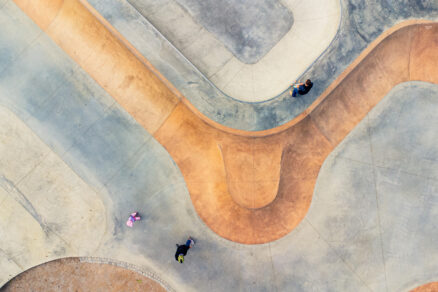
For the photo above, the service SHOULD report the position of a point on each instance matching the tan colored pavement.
(70, 274)
(209, 155)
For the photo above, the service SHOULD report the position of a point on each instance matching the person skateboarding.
(301, 88)
(181, 250)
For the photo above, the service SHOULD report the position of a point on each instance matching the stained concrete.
(333, 249)
(337, 247)
(361, 23)
(199, 147)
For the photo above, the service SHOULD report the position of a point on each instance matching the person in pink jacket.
(132, 218)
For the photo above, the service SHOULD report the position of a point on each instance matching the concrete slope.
(337, 247)
(409, 53)
(233, 202)
(361, 23)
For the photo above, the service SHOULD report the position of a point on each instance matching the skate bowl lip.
(258, 133)
(338, 81)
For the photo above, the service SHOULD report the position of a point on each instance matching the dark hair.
(308, 82)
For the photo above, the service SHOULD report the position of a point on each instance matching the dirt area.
(72, 275)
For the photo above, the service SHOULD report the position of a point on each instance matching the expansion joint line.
(320, 131)
(410, 51)
(339, 256)
(12, 259)
(377, 200)
(273, 269)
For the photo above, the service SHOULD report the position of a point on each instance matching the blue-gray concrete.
(248, 28)
(362, 22)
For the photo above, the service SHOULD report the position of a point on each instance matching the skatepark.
(109, 107)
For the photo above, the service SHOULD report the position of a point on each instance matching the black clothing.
(304, 89)
(182, 249)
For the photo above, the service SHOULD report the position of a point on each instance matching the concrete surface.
(224, 194)
(249, 49)
(93, 144)
(361, 24)
(249, 29)
(321, 253)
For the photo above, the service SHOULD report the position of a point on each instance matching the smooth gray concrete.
(362, 22)
(371, 224)
(248, 28)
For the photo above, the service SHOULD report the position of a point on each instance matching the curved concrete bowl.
(259, 202)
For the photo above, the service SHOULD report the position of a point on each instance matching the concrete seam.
(71, 57)
(22, 52)
(2, 201)
(339, 256)
(377, 200)
(173, 47)
(273, 269)
(252, 178)
(68, 148)
(223, 66)
(408, 173)
(33, 168)
(320, 131)
(50, 150)
(11, 258)
(117, 171)
(387, 168)
(186, 47)
(164, 121)
(132, 267)
(4, 4)
(231, 79)
(410, 50)
(25, 120)
(31, 210)
(56, 16)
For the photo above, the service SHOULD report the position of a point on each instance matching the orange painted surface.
(248, 187)
(431, 287)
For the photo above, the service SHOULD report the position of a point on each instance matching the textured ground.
(73, 275)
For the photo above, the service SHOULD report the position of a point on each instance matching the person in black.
(301, 88)
(182, 250)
